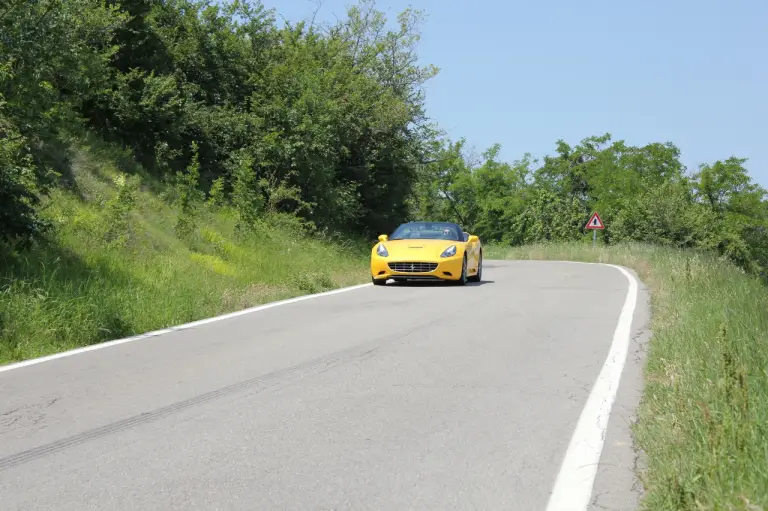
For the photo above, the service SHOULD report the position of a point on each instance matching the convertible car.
(427, 251)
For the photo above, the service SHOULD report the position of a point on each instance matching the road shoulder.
(617, 484)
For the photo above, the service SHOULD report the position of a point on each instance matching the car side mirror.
(473, 239)
(383, 237)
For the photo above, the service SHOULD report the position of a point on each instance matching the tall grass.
(703, 419)
(115, 266)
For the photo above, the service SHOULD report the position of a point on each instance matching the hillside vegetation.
(703, 418)
(161, 162)
(116, 265)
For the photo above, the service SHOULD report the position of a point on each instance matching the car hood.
(418, 250)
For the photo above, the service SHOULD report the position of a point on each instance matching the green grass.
(703, 420)
(107, 274)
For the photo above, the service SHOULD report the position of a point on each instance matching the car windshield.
(427, 231)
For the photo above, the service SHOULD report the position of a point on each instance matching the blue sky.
(525, 74)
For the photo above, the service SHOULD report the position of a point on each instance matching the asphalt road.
(401, 397)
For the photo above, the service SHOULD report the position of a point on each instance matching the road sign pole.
(594, 237)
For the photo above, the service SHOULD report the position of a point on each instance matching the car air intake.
(414, 267)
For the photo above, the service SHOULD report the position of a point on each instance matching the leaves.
(326, 123)
(246, 198)
(189, 197)
(642, 193)
(19, 222)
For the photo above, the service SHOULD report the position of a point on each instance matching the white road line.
(573, 488)
(177, 328)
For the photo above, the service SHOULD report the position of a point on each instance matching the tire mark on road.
(265, 381)
(262, 383)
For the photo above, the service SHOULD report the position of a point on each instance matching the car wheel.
(479, 275)
(463, 279)
(378, 282)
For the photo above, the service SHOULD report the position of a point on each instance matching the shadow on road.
(429, 283)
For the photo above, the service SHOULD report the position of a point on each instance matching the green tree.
(53, 54)
(189, 196)
(19, 222)
(246, 196)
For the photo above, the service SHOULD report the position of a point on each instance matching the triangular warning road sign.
(595, 222)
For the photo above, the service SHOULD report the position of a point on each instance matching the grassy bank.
(115, 266)
(703, 420)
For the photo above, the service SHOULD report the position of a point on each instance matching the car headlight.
(448, 252)
(382, 250)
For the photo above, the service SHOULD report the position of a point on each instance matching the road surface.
(401, 397)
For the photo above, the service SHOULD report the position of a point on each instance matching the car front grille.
(414, 267)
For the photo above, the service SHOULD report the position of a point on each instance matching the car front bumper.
(445, 268)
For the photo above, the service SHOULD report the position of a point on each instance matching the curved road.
(401, 397)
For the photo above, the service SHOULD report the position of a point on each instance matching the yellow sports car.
(427, 251)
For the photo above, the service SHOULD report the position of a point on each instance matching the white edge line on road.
(185, 326)
(573, 487)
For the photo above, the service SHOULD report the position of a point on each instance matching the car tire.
(378, 282)
(479, 275)
(463, 279)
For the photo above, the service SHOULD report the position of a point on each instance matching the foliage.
(188, 195)
(643, 194)
(119, 209)
(82, 287)
(216, 193)
(19, 222)
(326, 123)
(52, 55)
(332, 117)
(246, 199)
